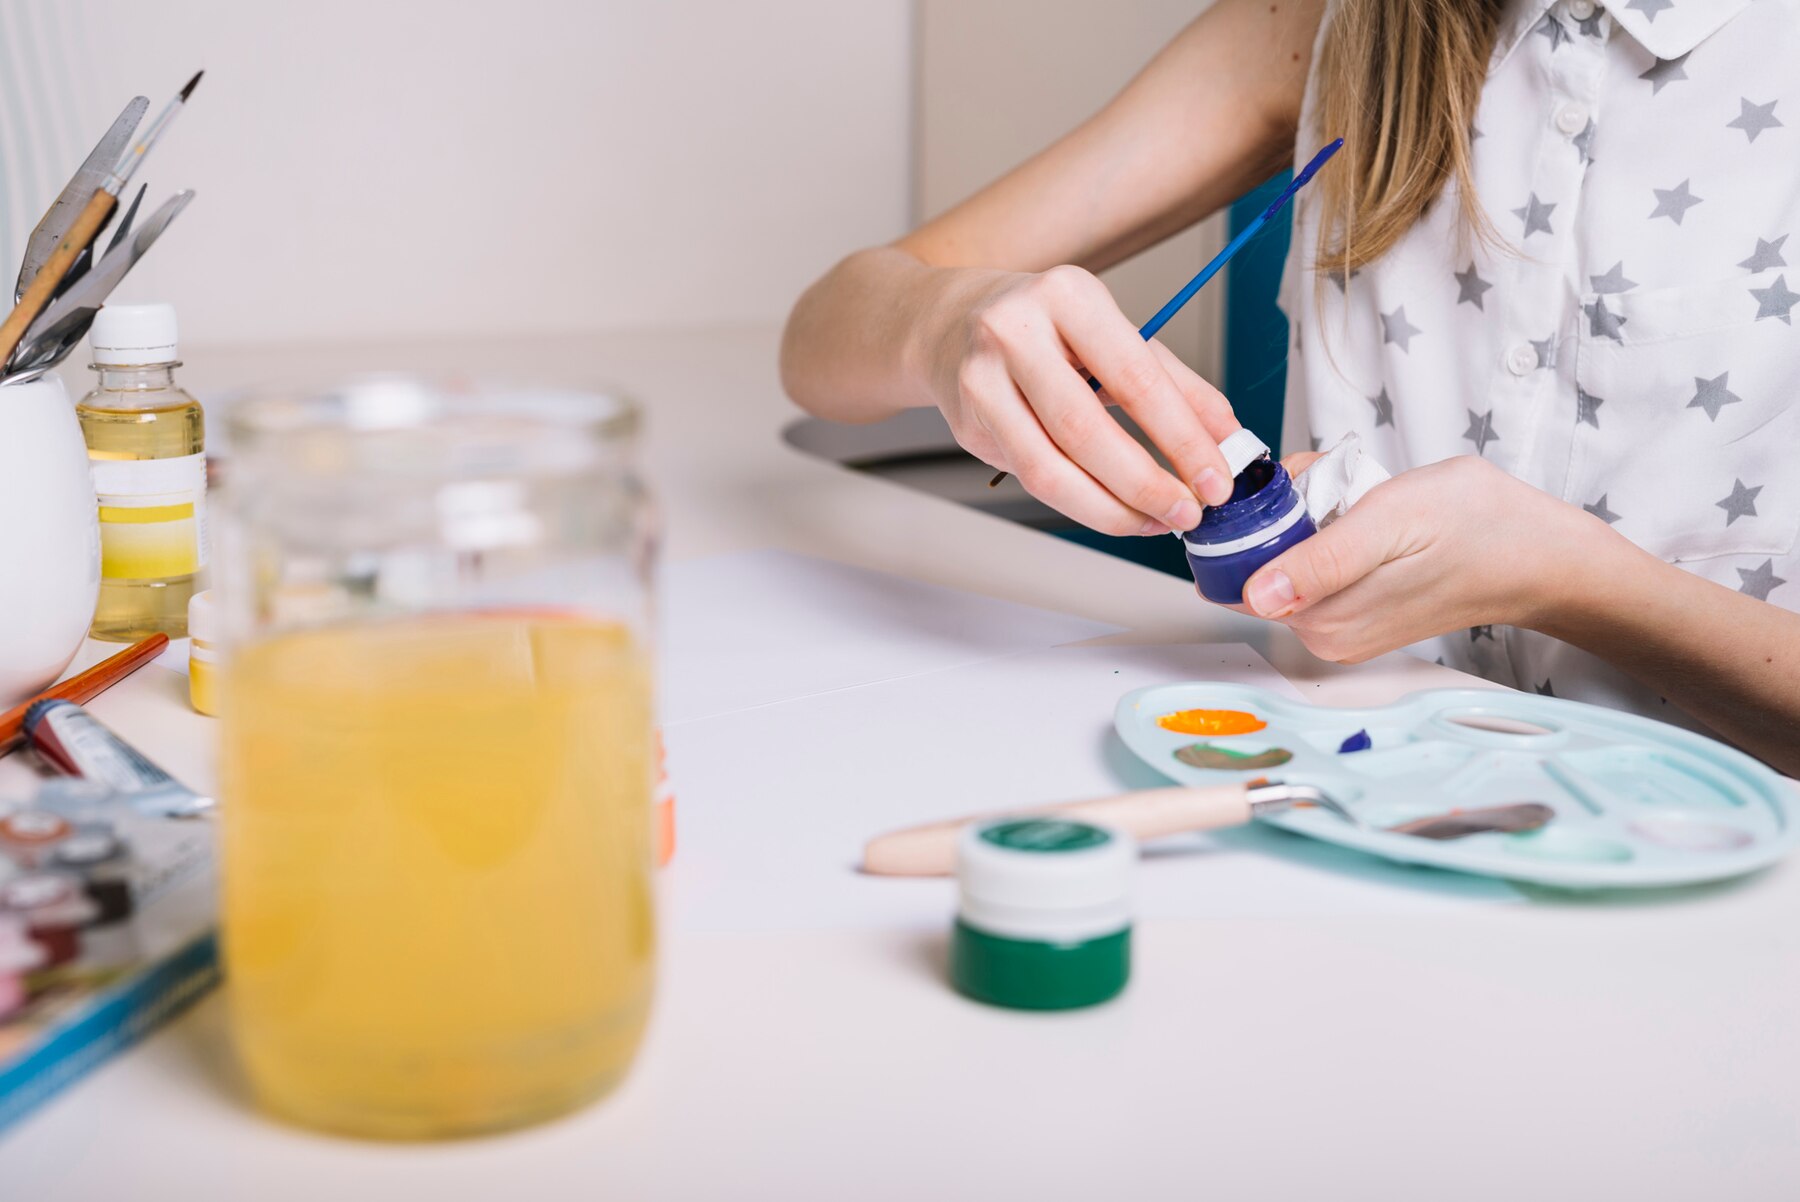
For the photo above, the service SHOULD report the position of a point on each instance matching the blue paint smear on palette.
(1360, 741)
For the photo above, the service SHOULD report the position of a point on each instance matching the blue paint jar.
(1264, 517)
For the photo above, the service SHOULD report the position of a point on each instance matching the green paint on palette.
(1205, 755)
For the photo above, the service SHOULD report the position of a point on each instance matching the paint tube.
(75, 742)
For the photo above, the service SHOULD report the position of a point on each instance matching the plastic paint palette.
(1638, 803)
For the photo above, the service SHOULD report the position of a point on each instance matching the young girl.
(1546, 281)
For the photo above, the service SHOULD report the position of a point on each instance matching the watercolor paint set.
(106, 931)
(1637, 803)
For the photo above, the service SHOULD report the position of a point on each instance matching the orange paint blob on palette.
(1211, 722)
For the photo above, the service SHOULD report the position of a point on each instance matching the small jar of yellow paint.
(203, 655)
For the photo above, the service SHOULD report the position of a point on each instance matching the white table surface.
(1560, 1049)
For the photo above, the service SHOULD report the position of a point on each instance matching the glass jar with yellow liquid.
(437, 754)
(146, 441)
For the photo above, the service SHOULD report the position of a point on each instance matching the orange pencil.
(84, 685)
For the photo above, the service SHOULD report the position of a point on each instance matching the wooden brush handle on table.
(1147, 814)
(84, 686)
(37, 293)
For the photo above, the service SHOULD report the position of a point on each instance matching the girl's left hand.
(1444, 547)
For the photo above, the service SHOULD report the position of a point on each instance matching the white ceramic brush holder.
(49, 537)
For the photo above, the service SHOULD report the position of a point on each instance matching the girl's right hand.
(1005, 369)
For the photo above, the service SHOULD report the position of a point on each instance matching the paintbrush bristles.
(134, 157)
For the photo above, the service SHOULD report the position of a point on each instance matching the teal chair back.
(1256, 332)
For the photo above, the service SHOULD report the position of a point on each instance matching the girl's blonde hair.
(1399, 81)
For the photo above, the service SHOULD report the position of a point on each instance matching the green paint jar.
(1044, 913)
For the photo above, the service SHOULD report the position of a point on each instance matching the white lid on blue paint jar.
(1241, 448)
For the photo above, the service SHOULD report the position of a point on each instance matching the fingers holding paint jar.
(1323, 565)
(1078, 423)
(1400, 518)
(1017, 398)
(1191, 450)
(1450, 546)
(1026, 450)
(1039, 329)
(1184, 416)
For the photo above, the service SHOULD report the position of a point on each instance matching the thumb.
(1328, 562)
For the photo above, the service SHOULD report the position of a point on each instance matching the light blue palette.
(1638, 803)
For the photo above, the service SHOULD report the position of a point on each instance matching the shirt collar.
(1666, 28)
(1672, 28)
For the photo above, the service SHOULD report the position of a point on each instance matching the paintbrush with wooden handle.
(85, 226)
(84, 686)
(1146, 814)
(1156, 813)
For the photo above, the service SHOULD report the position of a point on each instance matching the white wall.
(392, 167)
(1000, 79)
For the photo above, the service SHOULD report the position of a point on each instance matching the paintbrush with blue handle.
(1152, 327)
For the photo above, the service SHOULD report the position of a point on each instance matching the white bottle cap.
(1045, 878)
(131, 335)
(202, 617)
(1241, 448)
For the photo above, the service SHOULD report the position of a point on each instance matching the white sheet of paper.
(774, 804)
(756, 627)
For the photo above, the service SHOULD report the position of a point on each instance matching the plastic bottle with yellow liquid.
(146, 440)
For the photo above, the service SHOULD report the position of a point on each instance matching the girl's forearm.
(1724, 657)
(1211, 115)
(858, 344)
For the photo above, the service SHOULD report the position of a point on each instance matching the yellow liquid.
(437, 912)
(132, 609)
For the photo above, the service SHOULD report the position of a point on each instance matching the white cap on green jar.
(1044, 913)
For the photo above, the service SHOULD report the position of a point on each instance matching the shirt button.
(1572, 119)
(1581, 10)
(1521, 359)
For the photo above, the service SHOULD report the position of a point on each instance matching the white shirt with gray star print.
(1632, 349)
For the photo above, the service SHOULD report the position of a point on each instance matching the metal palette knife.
(77, 192)
(930, 850)
(60, 251)
(56, 331)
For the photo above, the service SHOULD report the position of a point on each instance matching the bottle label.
(152, 517)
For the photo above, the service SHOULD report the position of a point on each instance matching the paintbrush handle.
(43, 284)
(1147, 814)
(84, 686)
